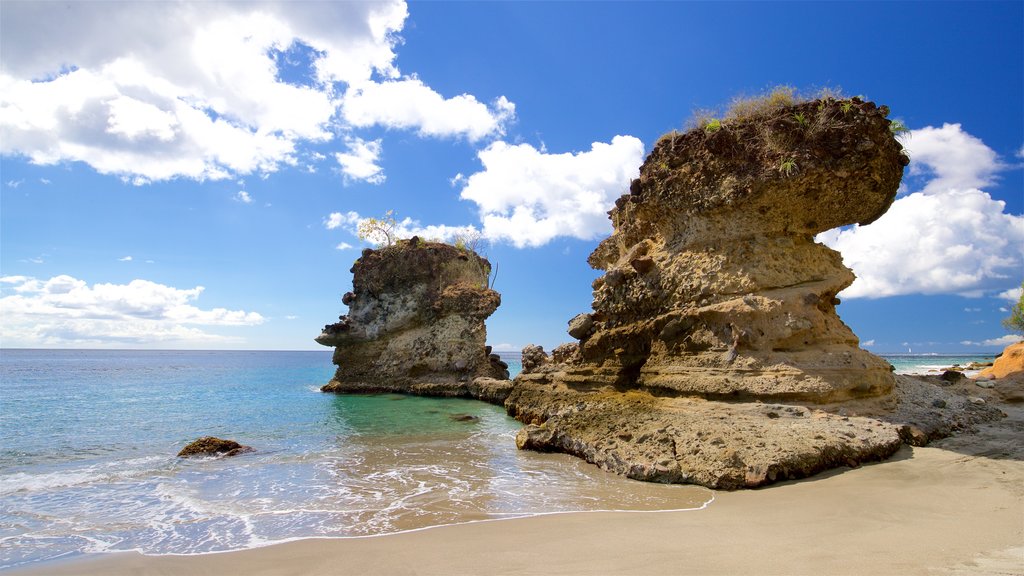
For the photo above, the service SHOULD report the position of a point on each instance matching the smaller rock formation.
(416, 325)
(1009, 363)
(213, 446)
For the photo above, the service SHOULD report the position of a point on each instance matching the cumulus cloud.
(64, 309)
(951, 159)
(125, 259)
(1001, 341)
(1013, 294)
(336, 220)
(410, 104)
(947, 238)
(243, 197)
(360, 162)
(405, 228)
(867, 343)
(529, 197)
(343, 246)
(408, 228)
(210, 90)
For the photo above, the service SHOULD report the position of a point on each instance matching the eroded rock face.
(416, 324)
(713, 353)
(714, 285)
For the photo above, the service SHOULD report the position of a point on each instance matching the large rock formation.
(714, 353)
(416, 324)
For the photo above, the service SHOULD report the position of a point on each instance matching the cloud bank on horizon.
(152, 92)
(64, 310)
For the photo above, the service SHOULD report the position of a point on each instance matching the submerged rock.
(213, 446)
(416, 324)
(714, 354)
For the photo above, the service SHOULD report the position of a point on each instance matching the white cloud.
(408, 228)
(15, 183)
(44, 181)
(1001, 341)
(1013, 294)
(212, 90)
(343, 246)
(291, 317)
(952, 158)
(243, 197)
(405, 228)
(125, 259)
(528, 197)
(867, 343)
(336, 220)
(506, 347)
(947, 238)
(972, 309)
(66, 310)
(360, 162)
(410, 104)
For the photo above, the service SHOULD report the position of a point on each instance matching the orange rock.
(1011, 362)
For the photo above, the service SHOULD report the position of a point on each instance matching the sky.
(192, 175)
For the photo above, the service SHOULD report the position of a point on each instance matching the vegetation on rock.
(1015, 321)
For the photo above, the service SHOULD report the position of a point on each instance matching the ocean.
(88, 444)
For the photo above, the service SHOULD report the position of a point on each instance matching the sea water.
(932, 363)
(88, 444)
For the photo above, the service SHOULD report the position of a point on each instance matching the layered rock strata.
(714, 353)
(416, 325)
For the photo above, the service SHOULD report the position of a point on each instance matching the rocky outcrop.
(416, 325)
(1009, 364)
(213, 446)
(714, 353)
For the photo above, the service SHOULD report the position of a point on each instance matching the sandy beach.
(955, 507)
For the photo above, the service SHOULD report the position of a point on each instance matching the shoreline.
(954, 507)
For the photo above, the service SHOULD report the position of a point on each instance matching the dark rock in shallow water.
(464, 418)
(212, 446)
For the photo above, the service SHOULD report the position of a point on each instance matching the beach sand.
(955, 507)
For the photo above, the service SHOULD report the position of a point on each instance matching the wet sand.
(956, 507)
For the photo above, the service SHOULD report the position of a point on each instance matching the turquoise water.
(931, 363)
(88, 442)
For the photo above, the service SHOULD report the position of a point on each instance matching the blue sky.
(190, 175)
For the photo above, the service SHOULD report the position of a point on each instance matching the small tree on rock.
(380, 231)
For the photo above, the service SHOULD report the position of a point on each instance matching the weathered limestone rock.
(416, 324)
(714, 284)
(213, 446)
(714, 353)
